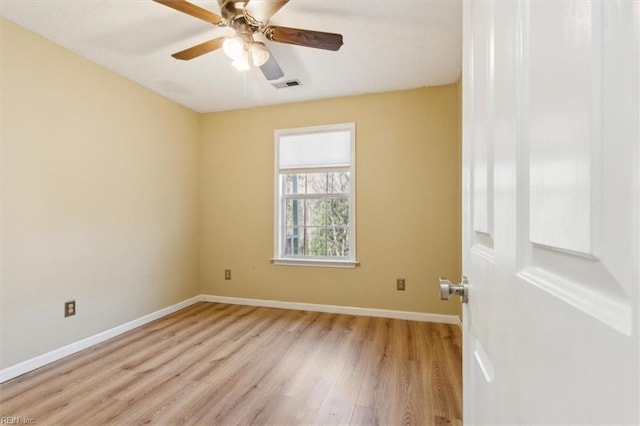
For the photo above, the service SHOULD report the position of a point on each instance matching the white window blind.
(315, 150)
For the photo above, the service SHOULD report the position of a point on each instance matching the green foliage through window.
(316, 214)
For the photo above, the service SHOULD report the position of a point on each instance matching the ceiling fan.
(249, 18)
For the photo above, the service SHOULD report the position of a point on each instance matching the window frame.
(280, 258)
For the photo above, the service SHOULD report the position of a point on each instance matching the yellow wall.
(408, 201)
(128, 203)
(99, 197)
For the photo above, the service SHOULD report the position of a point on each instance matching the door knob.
(447, 289)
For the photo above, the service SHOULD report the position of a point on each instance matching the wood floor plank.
(377, 363)
(285, 411)
(364, 416)
(447, 383)
(219, 364)
(338, 405)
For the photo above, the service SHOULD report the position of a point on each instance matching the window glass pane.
(293, 242)
(294, 183)
(316, 183)
(338, 183)
(316, 212)
(338, 212)
(337, 241)
(316, 243)
(319, 149)
(294, 212)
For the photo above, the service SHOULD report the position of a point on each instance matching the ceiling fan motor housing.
(231, 10)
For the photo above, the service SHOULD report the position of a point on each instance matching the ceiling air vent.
(288, 83)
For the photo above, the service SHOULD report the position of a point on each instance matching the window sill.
(316, 262)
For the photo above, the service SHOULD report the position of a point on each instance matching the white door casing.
(551, 217)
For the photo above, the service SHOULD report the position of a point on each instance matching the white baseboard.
(56, 354)
(334, 309)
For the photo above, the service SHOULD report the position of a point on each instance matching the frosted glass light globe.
(233, 47)
(242, 63)
(259, 53)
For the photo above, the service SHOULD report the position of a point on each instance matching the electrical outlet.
(70, 308)
(227, 274)
(400, 284)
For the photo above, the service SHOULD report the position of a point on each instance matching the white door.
(551, 228)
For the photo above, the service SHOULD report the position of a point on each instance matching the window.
(315, 196)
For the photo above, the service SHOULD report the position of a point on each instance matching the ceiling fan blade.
(262, 10)
(307, 38)
(271, 69)
(200, 49)
(192, 9)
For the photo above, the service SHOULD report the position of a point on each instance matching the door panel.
(562, 68)
(566, 190)
(551, 218)
(482, 111)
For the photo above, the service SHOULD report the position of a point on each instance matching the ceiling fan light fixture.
(233, 47)
(259, 53)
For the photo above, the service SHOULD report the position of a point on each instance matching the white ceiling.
(388, 45)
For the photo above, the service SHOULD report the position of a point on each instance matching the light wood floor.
(217, 364)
